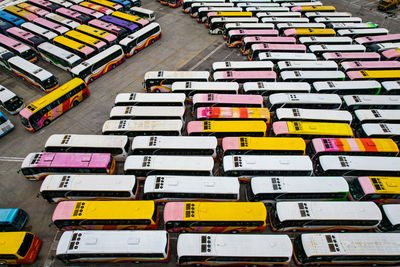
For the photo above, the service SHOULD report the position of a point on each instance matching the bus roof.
(377, 114)
(325, 40)
(338, 19)
(66, 55)
(85, 140)
(39, 72)
(391, 85)
(150, 98)
(241, 64)
(272, 86)
(341, 85)
(228, 126)
(304, 98)
(263, 143)
(313, 114)
(381, 129)
(379, 184)
(354, 144)
(378, 38)
(371, 100)
(134, 112)
(142, 125)
(228, 98)
(359, 163)
(244, 74)
(300, 64)
(392, 212)
(183, 142)
(211, 85)
(312, 128)
(176, 75)
(312, 74)
(10, 242)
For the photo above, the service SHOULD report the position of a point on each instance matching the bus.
(284, 26)
(132, 128)
(10, 101)
(94, 32)
(309, 31)
(244, 250)
(99, 8)
(247, 166)
(277, 20)
(187, 4)
(246, 26)
(322, 9)
(112, 246)
(74, 15)
(381, 130)
(26, 37)
(346, 56)
(32, 8)
(234, 37)
(256, 8)
(143, 13)
(391, 87)
(380, 47)
(69, 23)
(315, 40)
(347, 248)
(161, 81)
(33, 74)
(320, 115)
(243, 76)
(39, 31)
(20, 12)
(348, 87)
(233, 113)
(57, 188)
(46, 5)
(19, 247)
(302, 100)
(390, 218)
(247, 42)
(88, 40)
(203, 12)
(311, 129)
(319, 49)
(36, 166)
(379, 189)
(74, 47)
(311, 76)
(5, 55)
(293, 3)
(391, 54)
(388, 38)
(357, 165)
(144, 99)
(354, 102)
(220, 128)
(217, 25)
(306, 65)
(4, 25)
(127, 4)
(192, 88)
(14, 219)
(261, 15)
(313, 15)
(114, 5)
(324, 216)
(63, 3)
(328, 20)
(350, 25)
(44, 110)
(211, 15)
(369, 65)
(106, 215)
(357, 33)
(58, 56)
(263, 146)
(376, 116)
(10, 18)
(227, 100)
(297, 188)
(117, 146)
(171, 145)
(191, 188)
(5, 125)
(139, 40)
(143, 166)
(145, 112)
(256, 49)
(52, 26)
(215, 217)
(106, 29)
(93, 14)
(288, 56)
(130, 18)
(380, 75)
(268, 88)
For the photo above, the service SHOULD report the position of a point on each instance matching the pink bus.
(93, 14)
(18, 48)
(36, 166)
(34, 9)
(379, 189)
(244, 76)
(52, 26)
(346, 56)
(46, 5)
(121, 33)
(99, 8)
(247, 42)
(74, 15)
(24, 36)
(389, 38)
(256, 49)
(370, 65)
(227, 100)
(235, 37)
(391, 54)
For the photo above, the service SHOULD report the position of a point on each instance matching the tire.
(91, 80)
(182, 231)
(157, 91)
(75, 103)
(135, 52)
(46, 122)
(234, 231)
(113, 66)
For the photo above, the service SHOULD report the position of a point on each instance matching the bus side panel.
(144, 44)
(219, 229)
(110, 65)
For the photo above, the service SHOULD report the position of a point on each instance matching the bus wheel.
(113, 66)
(135, 52)
(46, 122)
(234, 231)
(91, 80)
(76, 102)
(137, 262)
(157, 91)
(182, 231)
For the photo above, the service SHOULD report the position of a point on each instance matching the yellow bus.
(87, 40)
(107, 37)
(106, 215)
(131, 18)
(227, 128)
(215, 217)
(217, 14)
(298, 32)
(381, 190)
(75, 47)
(18, 247)
(380, 75)
(20, 12)
(263, 146)
(109, 4)
(309, 130)
(313, 9)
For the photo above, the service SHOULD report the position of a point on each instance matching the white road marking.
(205, 58)
(14, 159)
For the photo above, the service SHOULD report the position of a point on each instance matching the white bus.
(171, 145)
(312, 15)
(143, 99)
(322, 115)
(311, 76)
(203, 11)
(140, 39)
(301, 100)
(217, 25)
(299, 3)
(187, 4)
(192, 88)
(353, 102)
(256, 8)
(143, 166)
(241, 65)
(161, 81)
(191, 188)
(10, 101)
(314, 40)
(391, 87)
(351, 25)
(338, 20)
(58, 56)
(260, 15)
(220, 249)
(380, 47)
(5, 125)
(256, 165)
(133, 128)
(69, 23)
(347, 248)
(62, 3)
(288, 56)
(147, 112)
(391, 218)
(377, 116)
(277, 20)
(45, 33)
(282, 188)
(57, 188)
(381, 130)
(347, 87)
(322, 48)
(268, 88)
(283, 26)
(118, 146)
(143, 13)
(307, 65)
(99, 64)
(357, 165)
(324, 216)
(113, 246)
(259, 5)
(354, 33)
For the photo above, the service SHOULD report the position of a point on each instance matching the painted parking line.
(14, 159)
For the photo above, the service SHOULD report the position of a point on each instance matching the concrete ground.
(185, 45)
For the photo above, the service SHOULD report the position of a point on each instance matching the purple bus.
(120, 32)
(52, 26)
(72, 14)
(132, 27)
